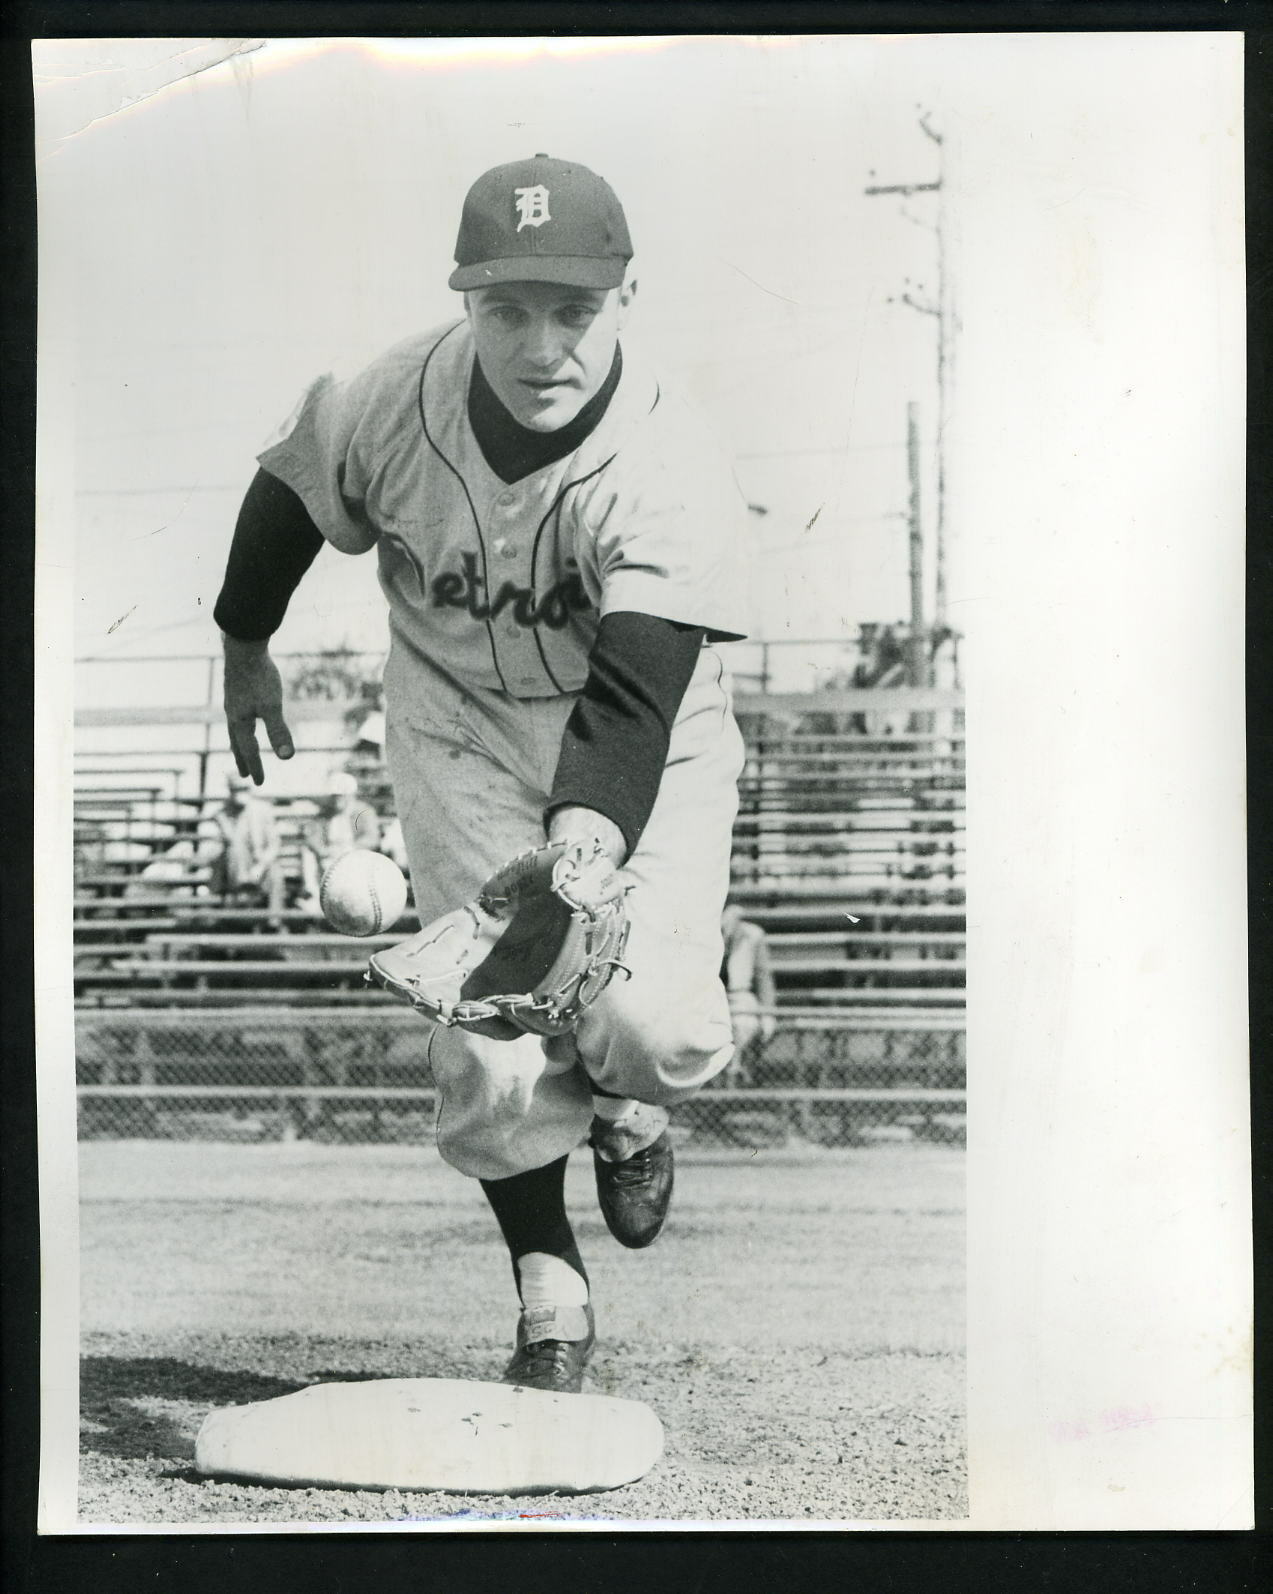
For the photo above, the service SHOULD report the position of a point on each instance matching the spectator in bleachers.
(369, 738)
(344, 821)
(748, 978)
(248, 867)
(168, 873)
(393, 844)
(121, 843)
(366, 760)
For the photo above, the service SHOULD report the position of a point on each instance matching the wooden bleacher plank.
(854, 893)
(849, 782)
(948, 996)
(118, 872)
(847, 789)
(845, 851)
(315, 941)
(123, 1000)
(140, 928)
(905, 847)
(820, 777)
(795, 1016)
(948, 975)
(865, 874)
(789, 876)
(193, 907)
(782, 939)
(789, 819)
(330, 1015)
(170, 935)
(942, 940)
(113, 796)
(190, 915)
(860, 845)
(786, 865)
(900, 1005)
(805, 768)
(264, 1008)
(855, 807)
(146, 970)
(341, 965)
(873, 889)
(862, 967)
(148, 954)
(821, 911)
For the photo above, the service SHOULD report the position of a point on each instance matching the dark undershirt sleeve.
(616, 739)
(274, 544)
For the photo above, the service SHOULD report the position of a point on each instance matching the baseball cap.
(541, 220)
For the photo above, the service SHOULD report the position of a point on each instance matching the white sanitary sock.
(546, 1280)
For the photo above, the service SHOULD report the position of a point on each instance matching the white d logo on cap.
(532, 206)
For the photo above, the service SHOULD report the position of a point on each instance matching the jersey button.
(509, 550)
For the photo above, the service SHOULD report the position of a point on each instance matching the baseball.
(362, 893)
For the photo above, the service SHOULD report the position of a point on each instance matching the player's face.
(544, 348)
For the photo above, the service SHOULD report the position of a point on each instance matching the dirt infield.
(798, 1328)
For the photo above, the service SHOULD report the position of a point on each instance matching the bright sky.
(224, 239)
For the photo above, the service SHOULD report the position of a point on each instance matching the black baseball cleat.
(554, 1344)
(634, 1187)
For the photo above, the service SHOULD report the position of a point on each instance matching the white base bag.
(446, 1434)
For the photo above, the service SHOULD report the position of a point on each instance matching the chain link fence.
(359, 1075)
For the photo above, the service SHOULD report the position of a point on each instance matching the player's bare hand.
(573, 823)
(253, 691)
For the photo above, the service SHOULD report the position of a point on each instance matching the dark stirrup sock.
(531, 1211)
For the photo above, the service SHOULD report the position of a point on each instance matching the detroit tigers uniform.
(495, 593)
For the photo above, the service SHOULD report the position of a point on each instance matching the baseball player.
(558, 542)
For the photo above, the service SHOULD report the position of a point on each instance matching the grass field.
(799, 1327)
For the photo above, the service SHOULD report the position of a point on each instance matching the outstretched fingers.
(246, 748)
(278, 733)
(243, 744)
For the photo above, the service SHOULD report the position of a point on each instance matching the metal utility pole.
(941, 311)
(944, 342)
(917, 646)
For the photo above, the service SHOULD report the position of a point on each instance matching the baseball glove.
(538, 945)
